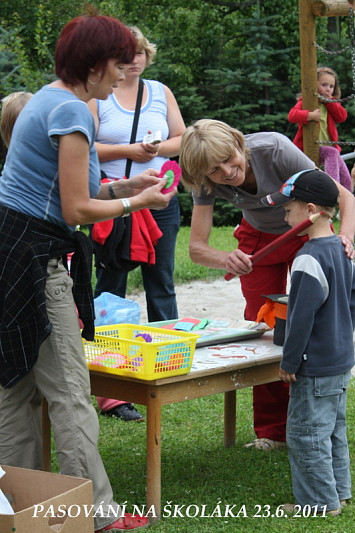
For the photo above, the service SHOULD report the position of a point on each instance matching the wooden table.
(215, 370)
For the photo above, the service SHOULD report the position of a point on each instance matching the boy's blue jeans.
(317, 442)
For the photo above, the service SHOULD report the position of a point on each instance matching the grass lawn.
(197, 471)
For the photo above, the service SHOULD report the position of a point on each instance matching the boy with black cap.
(318, 352)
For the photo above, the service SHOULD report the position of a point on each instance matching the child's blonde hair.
(12, 105)
(328, 210)
(204, 144)
(328, 70)
(143, 44)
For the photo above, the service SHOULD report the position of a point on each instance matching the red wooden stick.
(280, 240)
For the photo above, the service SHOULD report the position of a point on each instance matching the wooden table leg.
(46, 438)
(230, 411)
(154, 453)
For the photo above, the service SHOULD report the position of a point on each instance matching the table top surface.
(248, 352)
(218, 359)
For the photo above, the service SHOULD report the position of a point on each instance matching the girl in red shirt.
(327, 115)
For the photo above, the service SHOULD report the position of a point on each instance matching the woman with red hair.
(50, 184)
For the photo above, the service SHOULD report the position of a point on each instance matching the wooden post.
(308, 55)
(154, 453)
(308, 10)
(230, 417)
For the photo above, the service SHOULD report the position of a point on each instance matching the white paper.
(5, 507)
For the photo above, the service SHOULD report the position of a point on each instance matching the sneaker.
(344, 503)
(265, 445)
(291, 508)
(128, 522)
(334, 512)
(126, 412)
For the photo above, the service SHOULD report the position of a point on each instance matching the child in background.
(318, 352)
(327, 115)
(10, 110)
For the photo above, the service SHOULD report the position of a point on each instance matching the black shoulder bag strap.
(135, 124)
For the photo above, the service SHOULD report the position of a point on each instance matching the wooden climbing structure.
(308, 11)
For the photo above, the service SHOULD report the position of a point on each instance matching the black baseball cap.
(308, 186)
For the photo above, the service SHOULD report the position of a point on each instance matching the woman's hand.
(348, 246)
(138, 183)
(152, 197)
(141, 152)
(151, 148)
(347, 225)
(238, 263)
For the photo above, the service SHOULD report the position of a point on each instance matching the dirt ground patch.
(201, 299)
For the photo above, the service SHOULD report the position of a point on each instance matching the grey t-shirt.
(273, 158)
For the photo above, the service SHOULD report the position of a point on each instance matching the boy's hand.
(285, 376)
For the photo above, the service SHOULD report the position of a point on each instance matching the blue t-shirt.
(29, 182)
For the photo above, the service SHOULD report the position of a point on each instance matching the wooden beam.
(331, 8)
(308, 55)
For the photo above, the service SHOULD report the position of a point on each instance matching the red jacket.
(144, 237)
(335, 114)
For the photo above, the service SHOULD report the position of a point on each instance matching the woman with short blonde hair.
(217, 160)
(203, 143)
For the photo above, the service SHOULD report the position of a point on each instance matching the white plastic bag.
(111, 309)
